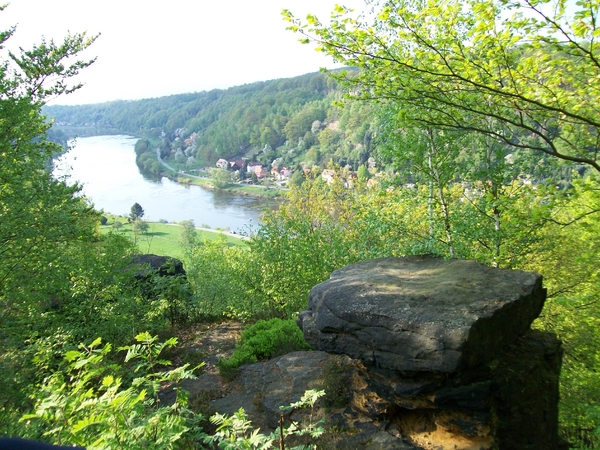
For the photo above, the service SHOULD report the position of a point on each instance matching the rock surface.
(509, 404)
(148, 264)
(263, 387)
(419, 353)
(145, 268)
(421, 314)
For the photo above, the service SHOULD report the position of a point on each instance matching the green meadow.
(164, 238)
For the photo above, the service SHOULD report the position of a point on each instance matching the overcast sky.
(149, 48)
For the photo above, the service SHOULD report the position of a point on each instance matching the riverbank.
(206, 183)
(233, 188)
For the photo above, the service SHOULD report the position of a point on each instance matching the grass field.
(163, 238)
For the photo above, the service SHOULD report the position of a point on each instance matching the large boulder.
(427, 353)
(443, 350)
(155, 274)
(421, 314)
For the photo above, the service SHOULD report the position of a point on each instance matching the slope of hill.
(290, 121)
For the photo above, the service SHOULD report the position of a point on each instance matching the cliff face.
(427, 353)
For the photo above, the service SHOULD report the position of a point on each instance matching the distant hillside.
(290, 120)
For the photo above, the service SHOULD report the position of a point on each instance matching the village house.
(328, 175)
(222, 164)
(237, 164)
(371, 164)
(251, 167)
(260, 172)
(372, 182)
(190, 141)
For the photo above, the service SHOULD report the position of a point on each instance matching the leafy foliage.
(520, 72)
(41, 217)
(235, 432)
(93, 402)
(217, 273)
(89, 402)
(220, 178)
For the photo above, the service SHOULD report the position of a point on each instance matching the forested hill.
(292, 119)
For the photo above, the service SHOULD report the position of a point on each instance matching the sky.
(150, 49)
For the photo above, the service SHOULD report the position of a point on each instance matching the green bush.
(263, 340)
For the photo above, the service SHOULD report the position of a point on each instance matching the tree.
(137, 212)
(41, 216)
(142, 146)
(516, 76)
(297, 178)
(363, 173)
(220, 178)
(524, 72)
(188, 236)
(140, 226)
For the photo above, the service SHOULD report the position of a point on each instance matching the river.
(105, 166)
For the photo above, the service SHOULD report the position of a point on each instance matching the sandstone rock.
(430, 354)
(148, 264)
(145, 267)
(275, 383)
(511, 402)
(263, 387)
(421, 314)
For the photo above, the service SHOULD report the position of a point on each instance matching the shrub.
(263, 340)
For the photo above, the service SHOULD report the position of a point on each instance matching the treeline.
(293, 120)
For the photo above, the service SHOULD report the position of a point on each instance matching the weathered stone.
(441, 356)
(145, 267)
(149, 264)
(421, 314)
(510, 403)
(276, 383)
(524, 392)
(263, 387)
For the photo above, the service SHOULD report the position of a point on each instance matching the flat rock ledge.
(420, 313)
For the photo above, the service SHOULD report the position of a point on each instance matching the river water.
(106, 167)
